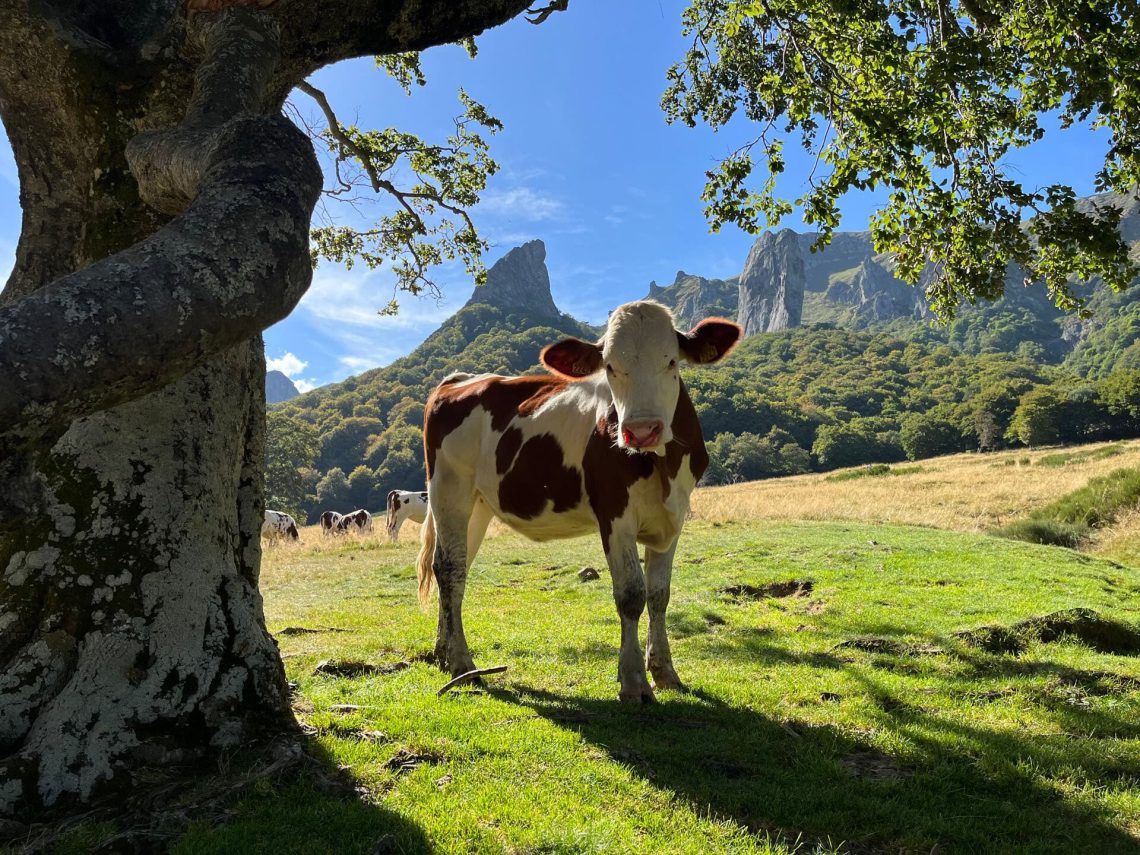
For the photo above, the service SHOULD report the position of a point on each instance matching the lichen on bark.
(132, 633)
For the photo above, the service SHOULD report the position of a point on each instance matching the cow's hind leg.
(629, 596)
(658, 572)
(452, 503)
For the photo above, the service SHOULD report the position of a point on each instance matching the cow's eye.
(609, 369)
(672, 363)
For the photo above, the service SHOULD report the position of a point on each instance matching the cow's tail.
(390, 521)
(427, 553)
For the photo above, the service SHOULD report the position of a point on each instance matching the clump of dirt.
(775, 590)
(306, 630)
(588, 574)
(1087, 626)
(871, 765)
(889, 646)
(407, 761)
(350, 668)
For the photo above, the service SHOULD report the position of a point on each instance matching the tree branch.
(315, 33)
(235, 262)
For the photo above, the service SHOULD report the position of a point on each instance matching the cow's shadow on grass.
(819, 785)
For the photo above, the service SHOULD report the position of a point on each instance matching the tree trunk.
(131, 628)
(166, 211)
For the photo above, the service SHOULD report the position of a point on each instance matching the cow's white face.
(639, 354)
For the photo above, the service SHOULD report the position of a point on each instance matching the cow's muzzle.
(644, 433)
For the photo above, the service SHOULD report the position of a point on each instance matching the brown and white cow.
(611, 444)
(405, 505)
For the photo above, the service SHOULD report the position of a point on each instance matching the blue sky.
(587, 164)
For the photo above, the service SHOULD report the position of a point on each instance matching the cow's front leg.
(629, 596)
(658, 572)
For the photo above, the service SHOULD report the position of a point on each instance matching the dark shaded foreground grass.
(845, 716)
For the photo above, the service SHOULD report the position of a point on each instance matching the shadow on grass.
(301, 804)
(822, 786)
(318, 807)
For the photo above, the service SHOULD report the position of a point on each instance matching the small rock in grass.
(588, 574)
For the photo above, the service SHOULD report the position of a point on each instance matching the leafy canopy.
(424, 190)
(924, 98)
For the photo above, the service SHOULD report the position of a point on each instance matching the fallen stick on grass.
(469, 676)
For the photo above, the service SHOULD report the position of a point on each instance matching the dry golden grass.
(961, 492)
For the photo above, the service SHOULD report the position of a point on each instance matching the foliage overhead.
(924, 99)
(428, 188)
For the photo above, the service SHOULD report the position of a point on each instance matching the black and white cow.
(405, 505)
(359, 520)
(330, 522)
(279, 525)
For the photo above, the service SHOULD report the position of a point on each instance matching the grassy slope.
(962, 492)
(900, 750)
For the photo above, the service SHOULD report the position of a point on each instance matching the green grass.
(850, 719)
(873, 470)
(1064, 458)
(1072, 519)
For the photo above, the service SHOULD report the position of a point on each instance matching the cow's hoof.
(666, 678)
(640, 696)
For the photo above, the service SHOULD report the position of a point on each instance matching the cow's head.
(639, 354)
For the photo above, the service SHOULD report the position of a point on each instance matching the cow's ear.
(709, 341)
(572, 357)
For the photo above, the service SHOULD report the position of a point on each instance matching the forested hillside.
(362, 436)
(890, 386)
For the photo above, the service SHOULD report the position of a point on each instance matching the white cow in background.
(405, 505)
(279, 525)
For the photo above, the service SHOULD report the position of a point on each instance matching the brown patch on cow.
(540, 474)
(609, 473)
(507, 448)
(505, 398)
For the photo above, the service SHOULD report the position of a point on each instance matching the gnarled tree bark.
(166, 209)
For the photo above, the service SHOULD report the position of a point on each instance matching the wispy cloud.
(345, 305)
(521, 203)
(304, 385)
(354, 299)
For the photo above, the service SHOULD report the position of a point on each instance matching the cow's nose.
(643, 434)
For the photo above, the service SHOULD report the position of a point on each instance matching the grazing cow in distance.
(330, 522)
(361, 520)
(405, 505)
(611, 443)
(279, 525)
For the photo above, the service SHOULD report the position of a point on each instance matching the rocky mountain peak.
(772, 284)
(519, 283)
(278, 388)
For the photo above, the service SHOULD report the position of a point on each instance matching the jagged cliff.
(694, 298)
(771, 289)
(519, 283)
